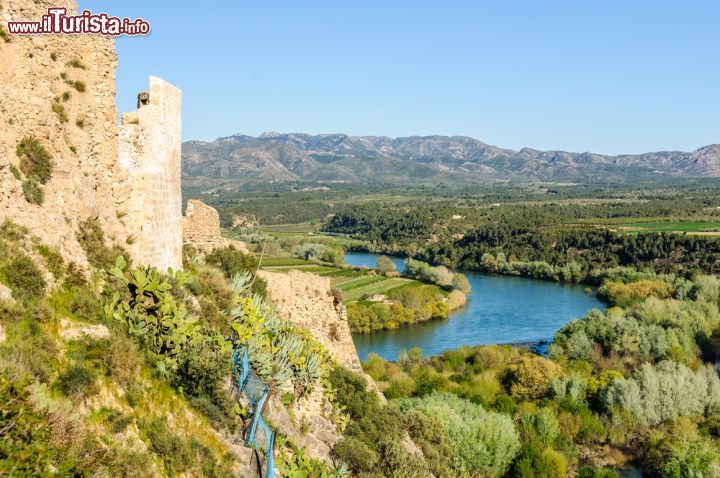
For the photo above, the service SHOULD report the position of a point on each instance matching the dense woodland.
(292, 203)
(535, 240)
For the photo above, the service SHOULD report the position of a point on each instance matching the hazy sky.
(605, 76)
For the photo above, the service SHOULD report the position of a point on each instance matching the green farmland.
(355, 283)
(689, 227)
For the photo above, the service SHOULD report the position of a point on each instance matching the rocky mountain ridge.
(327, 157)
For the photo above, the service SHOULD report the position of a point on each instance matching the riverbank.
(500, 310)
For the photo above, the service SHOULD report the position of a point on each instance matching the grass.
(670, 226)
(284, 261)
(75, 63)
(384, 286)
(357, 282)
(35, 161)
(59, 110)
(33, 192)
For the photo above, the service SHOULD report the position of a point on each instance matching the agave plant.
(241, 283)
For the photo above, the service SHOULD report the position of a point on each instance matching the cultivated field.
(689, 227)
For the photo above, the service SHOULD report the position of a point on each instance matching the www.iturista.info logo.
(57, 21)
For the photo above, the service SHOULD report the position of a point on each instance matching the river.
(501, 309)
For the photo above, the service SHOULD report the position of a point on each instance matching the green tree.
(384, 265)
(486, 441)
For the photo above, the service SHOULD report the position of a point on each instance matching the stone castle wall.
(149, 157)
(127, 177)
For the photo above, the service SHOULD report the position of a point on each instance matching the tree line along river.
(500, 310)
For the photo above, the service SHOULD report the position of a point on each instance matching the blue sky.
(604, 76)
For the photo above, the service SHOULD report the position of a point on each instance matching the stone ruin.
(201, 229)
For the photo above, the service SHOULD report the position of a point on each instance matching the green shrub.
(359, 456)
(487, 442)
(84, 304)
(384, 265)
(530, 379)
(540, 428)
(627, 294)
(31, 353)
(24, 277)
(80, 123)
(684, 457)
(66, 96)
(427, 380)
(319, 252)
(15, 172)
(75, 63)
(402, 388)
(59, 110)
(201, 371)
(12, 232)
(92, 239)
(372, 425)
(461, 283)
(33, 192)
(596, 472)
(25, 433)
(231, 262)
(74, 276)
(439, 451)
(79, 85)
(666, 391)
(4, 34)
(220, 414)
(534, 462)
(397, 461)
(505, 404)
(53, 260)
(122, 359)
(78, 381)
(35, 161)
(176, 452)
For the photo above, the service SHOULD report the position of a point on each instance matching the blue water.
(369, 260)
(501, 310)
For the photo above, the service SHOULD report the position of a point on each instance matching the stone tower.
(149, 153)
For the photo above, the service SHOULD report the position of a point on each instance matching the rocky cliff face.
(80, 133)
(305, 300)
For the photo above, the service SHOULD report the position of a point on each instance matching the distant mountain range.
(339, 157)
